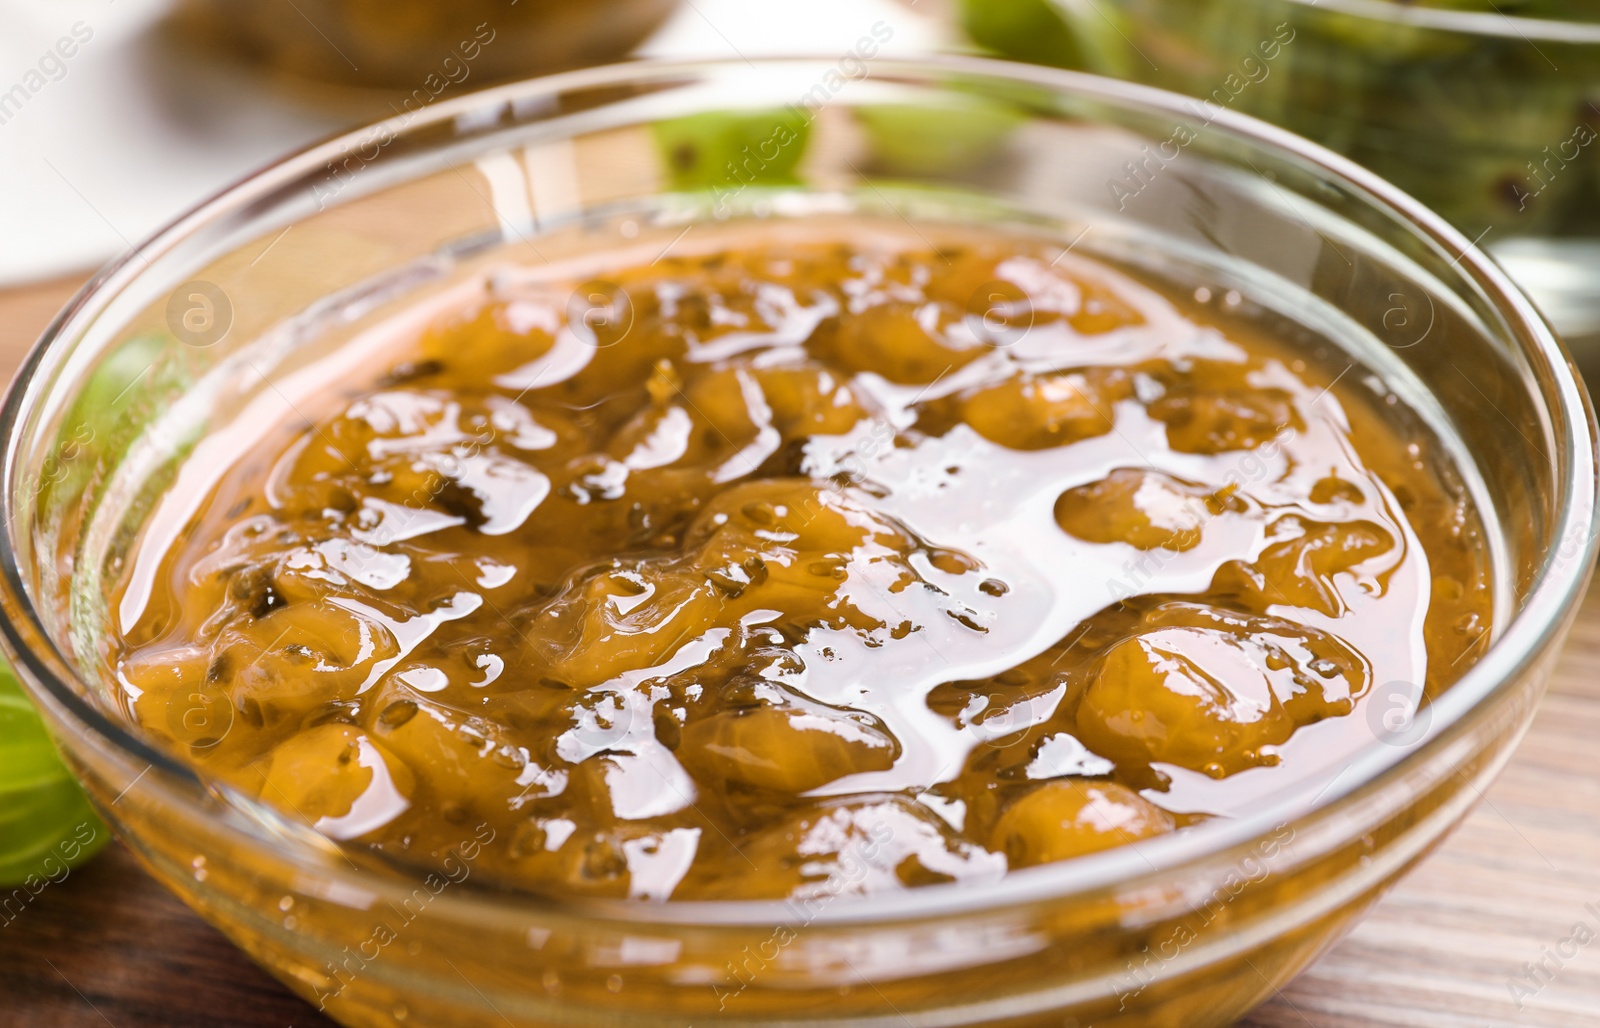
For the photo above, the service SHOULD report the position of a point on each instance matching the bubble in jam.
(802, 579)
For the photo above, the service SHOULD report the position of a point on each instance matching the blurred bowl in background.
(421, 44)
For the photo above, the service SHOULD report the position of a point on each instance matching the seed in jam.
(818, 574)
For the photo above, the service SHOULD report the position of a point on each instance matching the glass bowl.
(197, 335)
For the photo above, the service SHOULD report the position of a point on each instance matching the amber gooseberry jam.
(796, 558)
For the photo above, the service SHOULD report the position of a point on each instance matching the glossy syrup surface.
(802, 563)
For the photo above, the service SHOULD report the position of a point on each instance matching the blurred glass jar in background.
(1486, 110)
(402, 43)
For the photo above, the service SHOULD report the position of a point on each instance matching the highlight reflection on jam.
(811, 572)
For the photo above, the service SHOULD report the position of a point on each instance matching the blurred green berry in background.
(1084, 35)
(724, 152)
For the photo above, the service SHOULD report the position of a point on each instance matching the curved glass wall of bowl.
(1484, 113)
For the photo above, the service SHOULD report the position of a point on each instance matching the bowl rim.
(1519, 645)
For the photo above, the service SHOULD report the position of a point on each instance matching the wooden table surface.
(109, 947)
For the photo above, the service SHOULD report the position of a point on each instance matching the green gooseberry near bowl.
(46, 824)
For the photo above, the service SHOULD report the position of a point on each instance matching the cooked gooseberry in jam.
(805, 565)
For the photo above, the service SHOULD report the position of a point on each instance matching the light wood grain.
(108, 947)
